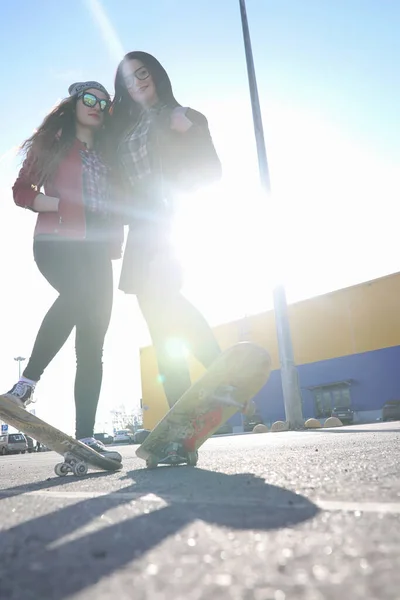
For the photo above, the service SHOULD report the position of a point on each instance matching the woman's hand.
(179, 120)
(44, 203)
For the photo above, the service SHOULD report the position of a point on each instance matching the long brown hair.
(49, 144)
(46, 147)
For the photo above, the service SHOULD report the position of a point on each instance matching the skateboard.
(226, 388)
(77, 456)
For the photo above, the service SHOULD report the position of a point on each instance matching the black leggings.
(152, 271)
(81, 272)
(172, 320)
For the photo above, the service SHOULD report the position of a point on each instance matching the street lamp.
(289, 376)
(19, 359)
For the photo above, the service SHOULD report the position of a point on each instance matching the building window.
(328, 397)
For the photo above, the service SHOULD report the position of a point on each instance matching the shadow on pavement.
(37, 562)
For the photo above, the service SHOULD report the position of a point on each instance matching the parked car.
(344, 413)
(123, 436)
(140, 435)
(13, 443)
(391, 411)
(106, 438)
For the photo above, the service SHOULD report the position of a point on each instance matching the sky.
(329, 89)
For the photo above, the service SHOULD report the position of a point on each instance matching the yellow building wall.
(358, 319)
(375, 313)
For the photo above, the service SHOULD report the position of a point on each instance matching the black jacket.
(187, 160)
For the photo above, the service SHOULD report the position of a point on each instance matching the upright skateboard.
(77, 456)
(227, 387)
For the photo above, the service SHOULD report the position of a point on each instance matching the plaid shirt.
(134, 151)
(95, 183)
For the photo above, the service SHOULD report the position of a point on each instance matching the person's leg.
(152, 272)
(91, 329)
(172, 320)
(57, 261)
(167, 305)
(92, 324)
(193, 328)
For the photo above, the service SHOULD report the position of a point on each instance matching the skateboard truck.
(71, 464)
(174, 456)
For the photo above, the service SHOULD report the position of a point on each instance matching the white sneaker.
(101, 449)
(22, 393)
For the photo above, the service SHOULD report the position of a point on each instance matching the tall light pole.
(289, 376)
(19, 359)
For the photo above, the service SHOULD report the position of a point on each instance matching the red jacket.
(66, 184)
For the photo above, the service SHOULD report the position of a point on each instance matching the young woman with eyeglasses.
(161, 148)
(78, 233)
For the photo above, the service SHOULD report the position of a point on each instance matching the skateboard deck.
(226, 388)
(80, 456)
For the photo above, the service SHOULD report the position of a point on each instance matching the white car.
(123, 436)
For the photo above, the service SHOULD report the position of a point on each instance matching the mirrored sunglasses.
(90, 100)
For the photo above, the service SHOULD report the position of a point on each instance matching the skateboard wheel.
(80, 469)
(151, 462)
(61, 469)
(192, 459)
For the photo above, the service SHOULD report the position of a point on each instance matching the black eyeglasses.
(141, 73)
(90, 100)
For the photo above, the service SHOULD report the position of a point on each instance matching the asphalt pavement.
(276, 516)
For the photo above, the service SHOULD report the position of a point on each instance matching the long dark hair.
(124, 110)
(49, 144)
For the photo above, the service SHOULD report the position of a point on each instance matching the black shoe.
(101, 449)
(21, 393)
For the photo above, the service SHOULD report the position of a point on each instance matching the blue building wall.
(375, 379)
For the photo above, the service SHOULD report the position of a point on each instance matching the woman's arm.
(26, 191)
(198, 144)
(188, 149)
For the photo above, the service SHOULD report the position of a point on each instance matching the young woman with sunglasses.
(161, 147)
(78, 233)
